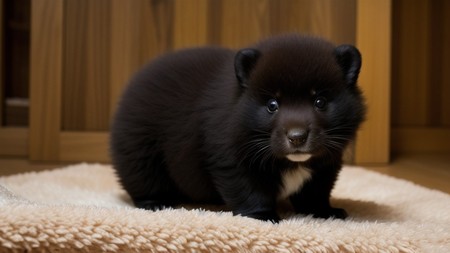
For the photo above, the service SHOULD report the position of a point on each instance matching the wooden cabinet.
(83, 52)
(421, 77)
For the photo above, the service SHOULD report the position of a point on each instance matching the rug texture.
(82, 208)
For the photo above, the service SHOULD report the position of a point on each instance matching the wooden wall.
(83, 52)
(106, 41)
(421, 76)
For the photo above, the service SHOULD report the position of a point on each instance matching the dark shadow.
(361, 211)
(358, 210)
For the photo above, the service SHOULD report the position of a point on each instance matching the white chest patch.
(293, 180)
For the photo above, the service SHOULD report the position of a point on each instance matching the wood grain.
(421, 140)
(190, 23)
(421, 46)
(124, 32)
(421, 80)
(84, 146)
(410, 62)
(14, 141)
(45, 78)
(86, 65)
(374, 41)
(242, 22)
(97, 66)
(290, 16)
(140, 30)
(334, 20)
(74, 70)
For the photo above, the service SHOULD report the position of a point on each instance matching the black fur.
(212, 125)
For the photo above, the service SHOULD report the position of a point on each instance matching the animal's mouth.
(298, 157)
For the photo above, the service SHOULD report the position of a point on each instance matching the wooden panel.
(290, 16)
(140, 30)
(374, 41)
(14, 141)
(124, 53)
(420, 140)
(243, 22)
(410, 62)
(190, 23)
(421, 59)
(98, 58)
(334, 20)
(45, 78)
(421, 80)
(86, 65)
(74, 75)
(84, 146)
(106, 42)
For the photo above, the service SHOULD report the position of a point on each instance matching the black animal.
(245, 128)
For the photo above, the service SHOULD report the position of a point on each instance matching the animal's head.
(300, 96)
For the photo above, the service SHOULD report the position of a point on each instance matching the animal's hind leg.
(148, 183)
(160, 193)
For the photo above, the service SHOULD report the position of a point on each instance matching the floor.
(429, 170)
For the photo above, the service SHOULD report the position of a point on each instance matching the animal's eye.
(272, 106)
(320, 103)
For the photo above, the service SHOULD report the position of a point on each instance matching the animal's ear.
(349, 59)
(244, 61)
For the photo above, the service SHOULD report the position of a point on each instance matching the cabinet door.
(83, 53)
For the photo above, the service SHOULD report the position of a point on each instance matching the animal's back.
(155, 131)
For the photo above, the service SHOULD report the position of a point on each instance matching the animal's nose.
(297, 136)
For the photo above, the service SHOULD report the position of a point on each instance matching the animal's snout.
(297, 136)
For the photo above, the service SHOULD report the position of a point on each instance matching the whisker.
(256, 149)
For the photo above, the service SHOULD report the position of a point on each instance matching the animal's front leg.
(248, 197)
(314, 197)
(256, 206)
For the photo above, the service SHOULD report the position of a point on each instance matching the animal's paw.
(150, 205)
(336, 213)
(271, 216)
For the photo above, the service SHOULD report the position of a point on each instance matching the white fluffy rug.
(81, 208)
